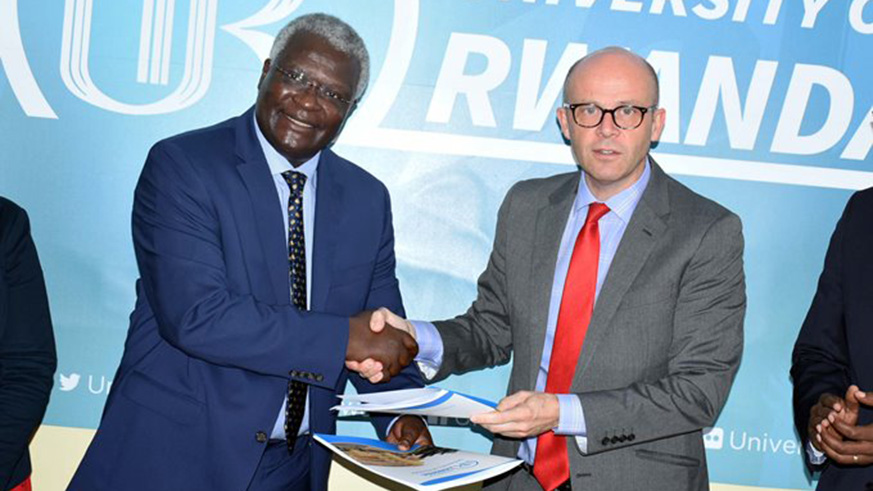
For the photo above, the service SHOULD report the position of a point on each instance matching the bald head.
(610, 58)
(615, 93)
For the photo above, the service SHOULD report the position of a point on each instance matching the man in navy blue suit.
(260, 253)
(831, 361)
(27, 346)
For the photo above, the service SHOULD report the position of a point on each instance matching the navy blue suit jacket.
(835, 347)
(214, 338)
(27, 346)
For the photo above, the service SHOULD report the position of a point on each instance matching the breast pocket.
(655, 294)
(349, 288)
(345, 275)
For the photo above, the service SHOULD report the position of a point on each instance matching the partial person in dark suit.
(618, 292)
(27, 346)
(258, 249)
(832, 359)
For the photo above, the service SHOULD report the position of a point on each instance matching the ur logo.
(69, 382)
(156, 38)
(155, 54)
(713, 438)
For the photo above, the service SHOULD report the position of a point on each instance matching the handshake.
(378, 353)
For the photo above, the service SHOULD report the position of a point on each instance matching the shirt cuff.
(815, 457)
(430, 348)
(571, 420)
(391, 425)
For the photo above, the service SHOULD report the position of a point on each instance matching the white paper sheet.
(428, 401)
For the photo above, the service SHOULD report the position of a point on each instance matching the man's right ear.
(561, 114)
(264, 71)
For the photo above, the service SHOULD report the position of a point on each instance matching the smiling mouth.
(606, 151)
(298, 122)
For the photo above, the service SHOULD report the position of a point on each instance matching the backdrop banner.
(768, 112)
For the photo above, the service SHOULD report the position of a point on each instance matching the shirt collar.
(623, 203)
(279, 164)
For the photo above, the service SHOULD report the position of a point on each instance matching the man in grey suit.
(621, 296)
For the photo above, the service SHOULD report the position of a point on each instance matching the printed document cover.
(421, 467)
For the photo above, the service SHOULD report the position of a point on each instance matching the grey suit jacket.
(665, 337)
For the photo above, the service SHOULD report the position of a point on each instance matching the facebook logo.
(713, 438)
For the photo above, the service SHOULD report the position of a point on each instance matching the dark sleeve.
(27, 346)
(819, 363)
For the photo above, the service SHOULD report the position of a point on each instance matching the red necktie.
(551, 466)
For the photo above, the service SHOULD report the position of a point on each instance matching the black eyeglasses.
(298, 80)
(590, 115)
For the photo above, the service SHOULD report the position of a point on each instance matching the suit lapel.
(646, 227)
(550, 224)
(330, 196)
(266, 213)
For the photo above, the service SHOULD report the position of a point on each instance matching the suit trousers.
(280, 470)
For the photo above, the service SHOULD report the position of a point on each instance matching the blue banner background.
(74, 166)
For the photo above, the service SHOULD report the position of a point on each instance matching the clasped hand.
(520, 415)
(834, 429)
(390, 349)
(371, 367)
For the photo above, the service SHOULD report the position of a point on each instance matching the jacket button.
(293, 373)
(319, 377)
(631, 437)
(605, 441)
(622, 438)
(614, 439)
(261, 437)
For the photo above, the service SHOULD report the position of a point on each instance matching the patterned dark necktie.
(297, 275)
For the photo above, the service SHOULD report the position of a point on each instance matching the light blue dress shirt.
(611, 226)
(278, 164)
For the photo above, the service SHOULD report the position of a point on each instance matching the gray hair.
(656, 86)
(337, 33)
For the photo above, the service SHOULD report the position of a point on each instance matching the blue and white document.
(427, 401)
(423, 468)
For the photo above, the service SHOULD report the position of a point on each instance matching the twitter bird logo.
(69, 382)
